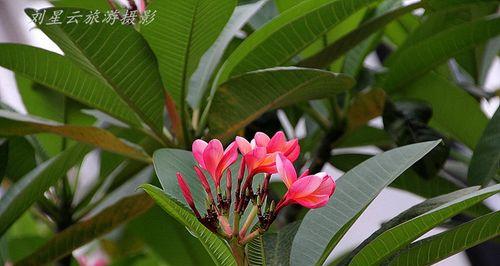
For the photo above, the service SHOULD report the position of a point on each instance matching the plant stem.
(238, 252)
(248, 221)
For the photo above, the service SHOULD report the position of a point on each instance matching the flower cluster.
(262, 155)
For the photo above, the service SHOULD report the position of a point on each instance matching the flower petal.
(277, 142)
(229, 157)
(212, 156)
(305, 186)
(243, 145)
(285, 170)
(261, 139)
(198, 148)
(292, 150)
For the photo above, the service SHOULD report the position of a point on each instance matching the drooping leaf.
(61, 74)
(118, 56)
(216, 247)
(427, 54)
(390, 241)
(13, 124)
(180, 36)
(211, 59)
(26, 191)
(321, 229)
(435, 248)
(244, 98)
(485, 161)
(280, 40)
(83, 232)
(432, 88)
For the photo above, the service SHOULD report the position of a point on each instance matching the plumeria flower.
(310, 191)
(260, 153)
(213, 158)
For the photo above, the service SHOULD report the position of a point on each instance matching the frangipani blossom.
(310, 191)
(260, 153)
(212, 157)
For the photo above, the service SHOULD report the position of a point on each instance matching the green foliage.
(205, 69)
(354, 192)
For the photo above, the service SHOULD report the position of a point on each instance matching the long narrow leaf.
(397, 237)
(210, 60)
(427, 54)
(26, 191)
(61, 74)
(280, 40)
(244, 98)
(180, 36)
(13, 124)
(118, 56)
(83, 232)
(435, 248)
(322, 229)
(485, 161)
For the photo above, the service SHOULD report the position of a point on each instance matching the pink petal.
(212, 156)
(285, 170)
(229, 157)
(292, 150)
(243, 145)
(277, 142)
(327, 186)
(198, 148)
(305, 186)
(261, 139)
(313, 201)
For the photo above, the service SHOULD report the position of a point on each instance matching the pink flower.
(212, 157)
(310, 191)
(260, 153)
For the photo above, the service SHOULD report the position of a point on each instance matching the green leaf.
(180, 36)
(244, 98)
(168, 239)
(84, 232)
(429, 53)
(355, 37)
(61, 74)
(411, 213)
(118, 56)
(433, 88)
(21, 158)
(211, 59)
(485, 161)
(322, 229)
(277, 42)
(435, 248)
(364, 136)
(278, 245)
(26, 191)
(14, 124)
(390, 241)
(216, 247)
(4, 158)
